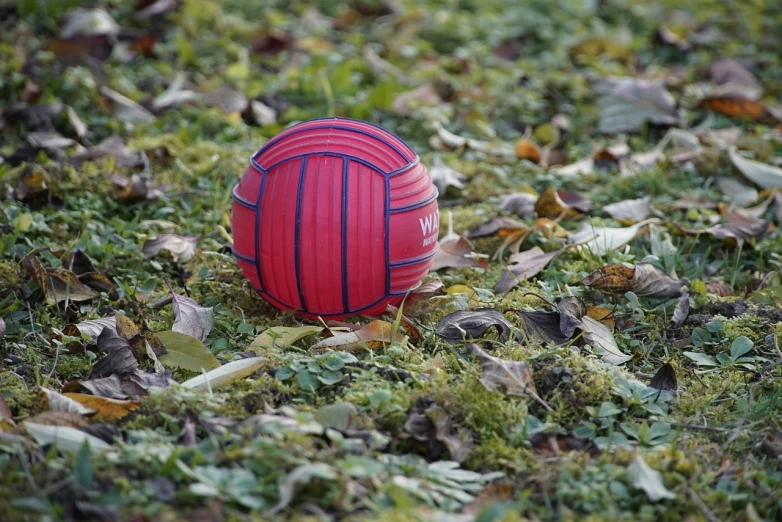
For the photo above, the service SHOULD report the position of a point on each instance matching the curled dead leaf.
(182, 248)
(458, 253)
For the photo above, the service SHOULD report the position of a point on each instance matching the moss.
(569, 383)
(748, 325)
(494, 453)
(16, 394)
(9, 276)
(470, 404)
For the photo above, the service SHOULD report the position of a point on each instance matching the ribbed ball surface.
(335, 217)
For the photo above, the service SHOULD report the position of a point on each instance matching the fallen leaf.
(542, 327)
(732, 78)
(227, 99)
(664, 379)
(175, 95)
(571, 310)
(650, 481)
(409, 326)
(31, 183)
(113, 147)
(738, 193)
(499, 226)
(191, 318)
(509, 377)
(627, 103)
(91, 328)
(110, 387)
(225, 374)
(457, 253)
(56, 418)
(67, 439)
(182, 248)
(581, 167)
(561, 204)
(374, 335)
(282, 336)
(459, 443)
(643, 279)
(157, 7)
(94, 21)
(528, 150)
(732, 233)
(682, 310)
(108, 410)
(419, 302)
(185, 351)
(63, 284)
(137, 382)
(428, 423)
(258, 113)
(51, 141)
(133, 189)
(762, 174)
(736, 107)
(125, 109)
(599, 336)
(472, 324)
(118, 362)
(50, 400)
(80, 48)
(524, 265)
(629, 211)
(601, 240)
(444, 176)
(521, 203)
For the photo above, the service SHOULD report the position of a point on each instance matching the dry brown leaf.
(500, 227)
(732, 233)
(528, 150)
(604, 315)
(410, 327)
(374, 335)
(736, 107)
(644, 279)
(458, 253)
(523, 266)
(63, 284)
(509, 377)
(561, 204)
(108, 410)
(133, 189)
(550, 228)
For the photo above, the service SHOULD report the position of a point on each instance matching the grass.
(269, 448)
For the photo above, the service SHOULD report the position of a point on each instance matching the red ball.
(335, 217)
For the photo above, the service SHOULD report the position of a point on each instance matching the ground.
(124, 121)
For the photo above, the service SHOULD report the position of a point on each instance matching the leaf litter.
(124, 122)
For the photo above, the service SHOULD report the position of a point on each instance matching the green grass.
(713, 460)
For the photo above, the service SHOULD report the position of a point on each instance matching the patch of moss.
(569, 383)
(470, 404)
